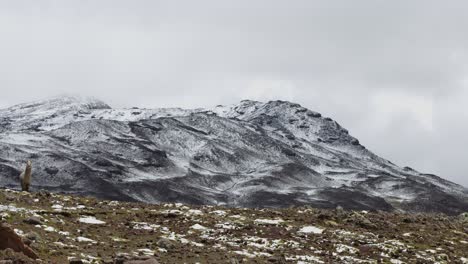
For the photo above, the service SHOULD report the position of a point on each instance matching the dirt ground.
(60, 227)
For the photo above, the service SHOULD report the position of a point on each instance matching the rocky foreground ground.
(72, 229)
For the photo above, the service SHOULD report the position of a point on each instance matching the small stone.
(165, 243)
(277, 259)
(26, 241)
(331, 223)
(33, 221)
(107, 261)
(9, 197)
(75, 261)
(142, 260)
(119, 260)
(444, 257)
(463, 218)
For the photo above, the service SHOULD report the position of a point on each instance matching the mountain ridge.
(254, 154)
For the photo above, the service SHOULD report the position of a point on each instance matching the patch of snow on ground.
(172, 212)
(49, 229)
(19, 232)
(268, 221)
(340, 248)
(194, 212)
(310, 230)
(198, 227)
(251, 254)
(85, 239)
(219, 212)
(57, 207)
(10, 208)
(146, 251)
(304, 259)
(240, 217)
(63, 245)
(227, 226)
(144, 226)
(91, 220)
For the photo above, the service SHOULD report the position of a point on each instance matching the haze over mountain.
(252, 154)
(396, 69)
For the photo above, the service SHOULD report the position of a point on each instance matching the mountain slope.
(272, 154)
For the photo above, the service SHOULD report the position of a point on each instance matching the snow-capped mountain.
(250, 154)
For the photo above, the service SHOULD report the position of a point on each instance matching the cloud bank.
(393, 72)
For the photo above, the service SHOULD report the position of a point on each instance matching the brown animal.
(9, 239)
(25, 177)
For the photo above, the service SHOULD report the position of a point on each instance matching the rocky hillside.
(252, 154)
(63, 229)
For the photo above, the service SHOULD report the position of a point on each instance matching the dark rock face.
(253, 154)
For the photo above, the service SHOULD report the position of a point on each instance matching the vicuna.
(25, 177)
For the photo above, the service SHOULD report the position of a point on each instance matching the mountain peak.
(61, 102)
(48, 113)
(296, 121)
(87, 102)
(251, 154)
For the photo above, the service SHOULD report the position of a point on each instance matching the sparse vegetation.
(63, 229)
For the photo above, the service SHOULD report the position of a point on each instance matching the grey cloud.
(331, 56)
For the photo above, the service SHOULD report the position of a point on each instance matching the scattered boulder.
(75, 261)
(146, 261)
(9, 256)
(340, 212)
(9, 197)
(10, 240)
(43, 194)
(165, 243)
(277, 259)
(135, 260)
(361, 221)
(332, 223)
(463, 217)
(33, 220)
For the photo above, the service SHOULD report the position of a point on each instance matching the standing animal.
(25, 177)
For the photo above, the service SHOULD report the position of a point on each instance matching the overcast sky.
(395, 73)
